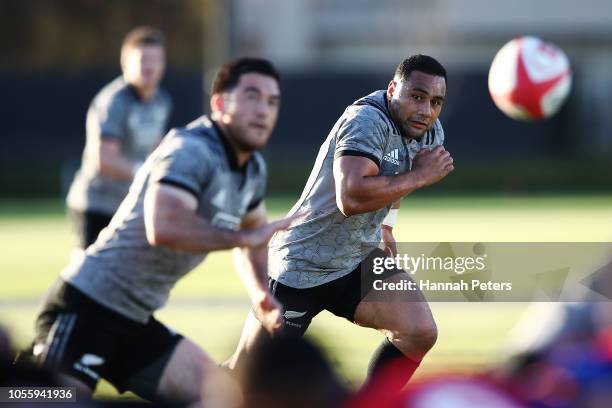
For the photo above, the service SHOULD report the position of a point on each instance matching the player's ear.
(123, 57)
(391, 89)
(122, 61)
(216, 103)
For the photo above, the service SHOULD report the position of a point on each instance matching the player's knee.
(419, 336)
(425, 335)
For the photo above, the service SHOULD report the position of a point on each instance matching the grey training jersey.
(117, 112)
(325, 245)
(126, 274)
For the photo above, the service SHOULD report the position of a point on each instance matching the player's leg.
(403, 316)
(160, 365)
(183, 376)
(300, 307)
(28, 360)
(67, 344)
(252, 334)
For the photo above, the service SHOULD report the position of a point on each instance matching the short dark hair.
(421, 63)
(229, 74)
(143, 36)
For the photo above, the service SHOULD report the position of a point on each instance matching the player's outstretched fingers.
(260, 236)
(286, 222)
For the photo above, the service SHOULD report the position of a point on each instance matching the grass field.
(209, 304)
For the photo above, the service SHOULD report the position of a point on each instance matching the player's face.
(416, 102)
(143, 66)
(250, 110)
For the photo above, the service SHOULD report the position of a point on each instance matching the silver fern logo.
(290, 314)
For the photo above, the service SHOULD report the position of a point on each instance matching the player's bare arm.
(111, 162)
(171, 221)
(252, 266)
(359, 188)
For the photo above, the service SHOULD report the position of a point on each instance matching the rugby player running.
(384, 146)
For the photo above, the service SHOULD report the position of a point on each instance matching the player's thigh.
(183, 376)
(70, 344)
(74, 336)
(300, 306)
(153, 360)
(396, 310)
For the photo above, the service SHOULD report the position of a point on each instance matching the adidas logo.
(392, 157)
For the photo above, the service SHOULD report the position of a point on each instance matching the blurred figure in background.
(125, 121)
(290, 372)
(456, 391)
(562, 352)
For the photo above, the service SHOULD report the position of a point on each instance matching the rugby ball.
(529, 79)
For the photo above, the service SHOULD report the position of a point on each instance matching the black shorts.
(85, 340)
(87, 225)
(340, 297)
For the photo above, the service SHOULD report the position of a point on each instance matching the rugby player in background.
(125, 122)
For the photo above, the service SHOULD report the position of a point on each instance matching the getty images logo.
(392, 157)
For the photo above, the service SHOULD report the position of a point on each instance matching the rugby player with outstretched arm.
(201, 190)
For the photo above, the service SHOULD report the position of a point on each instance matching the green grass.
(209, 305)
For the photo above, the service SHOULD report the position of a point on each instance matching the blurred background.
(56, 54)
(521, 182)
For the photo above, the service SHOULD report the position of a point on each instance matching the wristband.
(391, 217)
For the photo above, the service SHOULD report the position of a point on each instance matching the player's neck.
(241, 156)
(146, 94)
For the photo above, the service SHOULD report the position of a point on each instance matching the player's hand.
(258, 237)
(432, 165)
(387, 242)
(269, 312)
